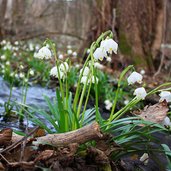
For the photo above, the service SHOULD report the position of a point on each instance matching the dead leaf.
(155, 113)
(98, 155)
(39, 133)
(44, 155)
(5, 136)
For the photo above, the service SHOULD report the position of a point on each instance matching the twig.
(164, 28)
(4, 159)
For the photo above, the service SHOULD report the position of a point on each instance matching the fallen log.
(80, 136)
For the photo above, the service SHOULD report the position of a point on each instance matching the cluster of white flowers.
(63, 69)
(140, 93)
(107, 46)
(87, 76)
(108, 104)
(31, 72)
(43, 53)
(3, 57)
(165, 95)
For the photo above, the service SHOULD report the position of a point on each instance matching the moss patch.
(124, 46)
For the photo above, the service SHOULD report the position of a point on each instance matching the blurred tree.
(137, 24)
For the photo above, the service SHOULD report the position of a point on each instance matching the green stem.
(85, 104)
(66, 107)
(76, 97)
(158, 88)
(118, 89)
(126, 109)
(82, 96)
(94, 74)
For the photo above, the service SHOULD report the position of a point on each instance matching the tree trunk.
(138, 27)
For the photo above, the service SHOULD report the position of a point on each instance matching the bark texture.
(82, 135)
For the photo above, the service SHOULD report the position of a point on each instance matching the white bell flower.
(98, 65)
(99, 53)
(21, 67)
(93, 80)
(88, 51)
(109, 45)
(83, 79)
(144, 158)
(166, 121)
(3, 57)
(25, 80)
(77, 66)
(54, 72)
(7, 63)
(142, 72)
(69, 51)
(165, 95)
(109, 59)
(74, 54)
(61, 56)
(135, 77)
(140, 93)
(21, 75)
(126, 102)
(69, 46)
(16, 43)
(44, 53)
(16, 75)
(31, 72)
(12, 74)
(108, 104)
(64, 67)
(85, 72)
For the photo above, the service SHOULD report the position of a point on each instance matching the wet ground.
(35, 98)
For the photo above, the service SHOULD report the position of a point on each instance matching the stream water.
(35, 98)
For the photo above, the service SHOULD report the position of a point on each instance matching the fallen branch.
(80, 136)
(16, 139)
